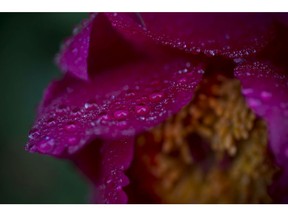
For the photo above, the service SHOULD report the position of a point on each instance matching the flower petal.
(104, 164)
(115, 104)
(74, 52)
(95, 47)
(266, 92)
(228, 34)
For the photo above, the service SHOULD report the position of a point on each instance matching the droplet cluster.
(82, 111)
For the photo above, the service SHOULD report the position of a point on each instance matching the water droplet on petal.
(247, 91)
(200, 71)
(90, 105)
(50, 122)
(120, 114)
(61, 108)
(211, 52)
(156, 97)
(254, 102)
(266, 95)
(76, 111)
(182, 80)
(70, 127)
(141, 110)
(46, 145)
(122, 124)
(33, 133)
(72, 140)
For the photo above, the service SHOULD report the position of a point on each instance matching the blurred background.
(28, 44)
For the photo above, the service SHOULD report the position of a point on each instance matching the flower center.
(213, 151)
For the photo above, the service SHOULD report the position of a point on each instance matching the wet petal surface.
(228, 34)
(118, 103)
(266, 92)
(104, 164)
(74, 52)
(94, 47)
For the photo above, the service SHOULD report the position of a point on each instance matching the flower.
(154, 99)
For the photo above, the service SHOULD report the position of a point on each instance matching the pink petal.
(115, 104)
(266, 90)
(227, 34)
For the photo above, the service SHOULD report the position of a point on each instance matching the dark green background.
(28, 44)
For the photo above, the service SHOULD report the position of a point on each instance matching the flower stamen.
(213, 151)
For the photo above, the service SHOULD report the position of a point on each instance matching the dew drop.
(120, 114)
(72, 140)
(247, 91)
(238, 60)
(50, 122)
(142, 118)
(101, 119)
(156, 97)
(200, 71)
(90, 105)
(266, 95)
(182, 80)
(46, 145)
(211, 52)
(70, 127)
(141, 110)
(76, 111)
(61, 108)
(254, 102)
(33, 133)
(130, 94)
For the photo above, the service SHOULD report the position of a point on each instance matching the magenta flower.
(150, 107)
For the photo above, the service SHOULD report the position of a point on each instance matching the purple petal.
(116, 104)
(228, 34)
(94, 48)
(74, 52)
(104, 164)
(266, 92)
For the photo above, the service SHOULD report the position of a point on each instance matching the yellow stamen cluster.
(212, 151)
